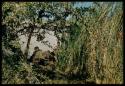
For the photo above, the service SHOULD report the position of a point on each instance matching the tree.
(18, 13)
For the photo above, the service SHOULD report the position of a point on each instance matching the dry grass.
(103, 44)
(96, 54)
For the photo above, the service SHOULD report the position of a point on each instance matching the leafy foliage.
(91, 43)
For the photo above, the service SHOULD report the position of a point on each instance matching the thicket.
(91, 47)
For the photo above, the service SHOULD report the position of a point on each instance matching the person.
(42, 58)
(33, 55)
(36, 56)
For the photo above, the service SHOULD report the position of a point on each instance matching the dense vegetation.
(91, 49)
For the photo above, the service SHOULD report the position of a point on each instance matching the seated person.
(38, 57)
(42, 58)
(33, 55)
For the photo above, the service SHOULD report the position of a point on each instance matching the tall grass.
(92, 52)
(97, 53)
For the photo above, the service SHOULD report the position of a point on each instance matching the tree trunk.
(28, 42)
